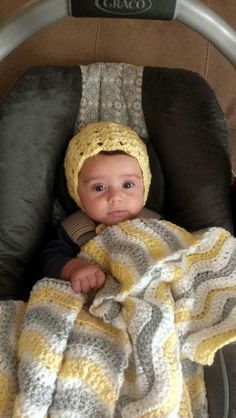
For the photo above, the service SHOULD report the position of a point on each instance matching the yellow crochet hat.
(103, 136)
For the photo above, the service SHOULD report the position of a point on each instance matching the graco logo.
(123, 7)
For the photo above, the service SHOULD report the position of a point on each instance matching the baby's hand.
(86, 277)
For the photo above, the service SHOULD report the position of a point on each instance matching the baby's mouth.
(118, 213)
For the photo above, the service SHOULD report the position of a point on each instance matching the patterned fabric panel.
(112, 92)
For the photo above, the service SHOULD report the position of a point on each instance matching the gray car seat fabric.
(190, 135)
(37, 116)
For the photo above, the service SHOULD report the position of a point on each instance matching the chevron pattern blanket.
(134, 349)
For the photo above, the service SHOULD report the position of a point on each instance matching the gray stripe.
(8, 315)
(52, 283)
(207, 276)
(118, 413)
(110, 352)
(201, 411)
(144, 342)
(144, 345)
(110, 289)
(83, 401)
(161, 230)
(189, 368)
(131, 250)
(33, 384)
(123, 401)
(53, 323)
(228, 307)
(112, 312)
(8, 361)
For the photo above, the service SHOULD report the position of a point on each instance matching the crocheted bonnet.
(103, 136)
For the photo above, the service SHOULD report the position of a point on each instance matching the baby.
(108, 176)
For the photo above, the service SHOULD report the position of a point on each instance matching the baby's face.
(111, 188)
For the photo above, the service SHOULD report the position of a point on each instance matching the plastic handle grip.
(135, 9)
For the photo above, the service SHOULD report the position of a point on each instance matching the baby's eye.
(128, 184)
(99, 188)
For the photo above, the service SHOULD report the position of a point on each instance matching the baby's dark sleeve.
(59, 250)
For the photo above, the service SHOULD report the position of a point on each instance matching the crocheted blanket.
(136, 348)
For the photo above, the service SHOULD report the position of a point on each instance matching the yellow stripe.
(129, 309)
(85, 319)
(205, 351)
(17, 409)
(177, 275)
(156, 248)
(185, 409)
(163, 294)
(7, 393)
(169, 348)
(186, 315)
(21, 308)
(93, 375)
(212, 253)
(55, 297)
(31, 342)
(125, 275)
(98, 253)
(196, 388)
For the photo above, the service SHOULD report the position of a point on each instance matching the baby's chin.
(117, 217)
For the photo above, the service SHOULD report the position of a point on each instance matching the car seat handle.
(35, 15)
(207, 23)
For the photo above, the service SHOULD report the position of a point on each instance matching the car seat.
(187, 139)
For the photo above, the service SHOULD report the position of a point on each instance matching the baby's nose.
(114, 196)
